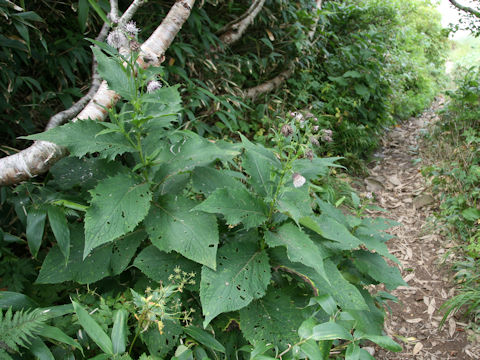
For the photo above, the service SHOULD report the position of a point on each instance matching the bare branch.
(42, 155)
(132, 9)
(269, 85)
(465, 8)
(114, 11)
(272, 84)
(235, 29)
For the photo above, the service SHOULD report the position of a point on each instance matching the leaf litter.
(395, 179)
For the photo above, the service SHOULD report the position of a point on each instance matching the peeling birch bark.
(39, 157)
(235, 30)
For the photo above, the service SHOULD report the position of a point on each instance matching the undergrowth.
(454, 173)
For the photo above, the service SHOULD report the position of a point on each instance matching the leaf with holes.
(300, 248)
(172, 224)
(273, 319)
(238, 205)
(117, 207)
(242, 275)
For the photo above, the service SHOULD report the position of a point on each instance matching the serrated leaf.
(375, 241)
(118, 205)
(105, 261)
(119, 79)
(80, 139)
(172, 224)
(35, 227)
(331, 229)
(259, 162)
(93, 330)
(160, 344)
(242, 275)
(273, 319)
(317, 167)
(192, 152)
(345, 294)
(206, 180)
(238, 205)
(300, 248)
(59, 225)
(376, 267)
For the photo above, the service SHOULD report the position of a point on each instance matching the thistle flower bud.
(309, 115)
(134, 45)
(309, 154)
(299, 117)
(117, 39)
(298, 180)
(316, 128)
(287, 130)
(327, 135)
(314, 141)
(153, 86)
(131, 28)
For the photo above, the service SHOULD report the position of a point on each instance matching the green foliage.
(248, 240)
(454, 172)
(18, 329)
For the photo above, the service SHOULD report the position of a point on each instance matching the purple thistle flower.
(153, 86)
(298, 180)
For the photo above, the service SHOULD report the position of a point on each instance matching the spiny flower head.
(298, 180)
(131, 28)
(117, 39)
(153, 86)
(287, 130)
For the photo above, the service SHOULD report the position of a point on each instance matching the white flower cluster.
(122, 36)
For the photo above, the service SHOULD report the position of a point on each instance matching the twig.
(132, 9)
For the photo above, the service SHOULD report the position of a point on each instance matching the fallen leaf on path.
(414, 321)
(417, 348)
(452, 326)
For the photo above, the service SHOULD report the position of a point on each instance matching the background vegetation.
(186, 226)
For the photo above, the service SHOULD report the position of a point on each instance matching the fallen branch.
(465, 8)
(272, 84)
(234, 30)
(269, 85)
(39, 157)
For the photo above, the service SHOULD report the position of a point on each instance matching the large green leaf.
(160, 344)
(300, 248)
(80, 137)
(173, 225)
(384, 341)
(238, 205)
(259, 162)
(119, 331)
(105, 261)
(375, 241)
(117, 76)
(242, 275)
(190, 152)
(118, 204)
(312, 169)
(85, 172)
(345, 294)
(273, 319)
(206, 180)
(376, 267)
(93, 330)
(331, 229)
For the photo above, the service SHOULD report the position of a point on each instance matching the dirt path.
(399, 187)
